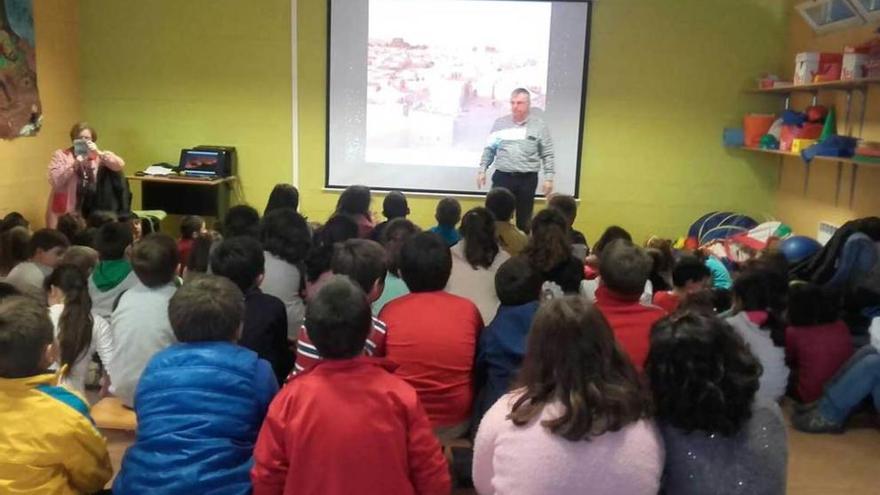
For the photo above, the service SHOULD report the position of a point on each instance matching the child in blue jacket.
(199, 403)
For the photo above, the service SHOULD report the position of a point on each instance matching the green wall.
(163, 75)
(664, 80)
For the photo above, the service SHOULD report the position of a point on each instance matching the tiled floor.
(817, 465)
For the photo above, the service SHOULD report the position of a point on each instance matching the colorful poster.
(20, 109)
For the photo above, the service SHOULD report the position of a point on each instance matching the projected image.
(432, 96)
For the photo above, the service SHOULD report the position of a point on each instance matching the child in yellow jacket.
(47, 439)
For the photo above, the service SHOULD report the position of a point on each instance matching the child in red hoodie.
(347, 425)
(624, 268)
(817, 343)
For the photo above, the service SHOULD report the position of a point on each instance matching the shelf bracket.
(837, 187)
(852, 184)
(815, 99)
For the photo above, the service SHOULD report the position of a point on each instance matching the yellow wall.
(664, 81)
(23, 181)
(804, 211)
(163, 75)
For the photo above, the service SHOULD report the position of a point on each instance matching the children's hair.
(516, 282)
(46, 240)
(809, 304)
(71, 224)
(564, 204)
(395, 206)
(282, 196)
(362, 260)
(573, 359)
(339, 228)
(86, 237)
(239, 259)
(241, 220)
(610, 235)
(689, 269)
(501, 202)
(478, 232)
(700, 301)
(395, 234)
(425, 262)
(154, 260)
(75, 323)
(755, 290)
(661, 253)
(82, 126)
(99, 218)
(549, 244)
(25, 332)
(14, 248)
(702, 374)
(624, 267)
(82, 257)
(285, 234)
(339, 319)
(112, 240)
(200, 254)
(207, 308)
(13, 219)
(191, 226)
(354, 200)
(448, 212)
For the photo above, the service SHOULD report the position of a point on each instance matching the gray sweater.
(752, 462)
(140, 329)
(522, 147)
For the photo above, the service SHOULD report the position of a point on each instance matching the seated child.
(348, 425)
(393, 206)
(82, 257)
(200, 403)
(817, 343)
(338, 228)
(624, 268)
(502, 203)
(578, 422)
(191, 226)
(448, 214)
(756, 321)
(113, 275)
(568, 207)
(264, 330)
(502, 344)
(139, 323)
(14, 247)
(283, 196)
(720, 437)
(354, 203)
(857, 381)
(396, 234)
(364, 262)
(45, 250)
(241, 220)
(80, 332)
(48, 441)
(433, 335)
(689, 275)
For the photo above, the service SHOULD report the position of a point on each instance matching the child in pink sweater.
(579, 420)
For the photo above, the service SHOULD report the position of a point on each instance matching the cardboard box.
(812, 67)
(854, 66)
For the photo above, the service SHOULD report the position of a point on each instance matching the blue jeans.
(859, 379)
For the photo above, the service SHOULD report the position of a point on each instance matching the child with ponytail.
(79, 332)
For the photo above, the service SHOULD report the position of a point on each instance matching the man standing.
(519, 146)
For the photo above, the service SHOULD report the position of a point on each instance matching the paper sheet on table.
(158, 170)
